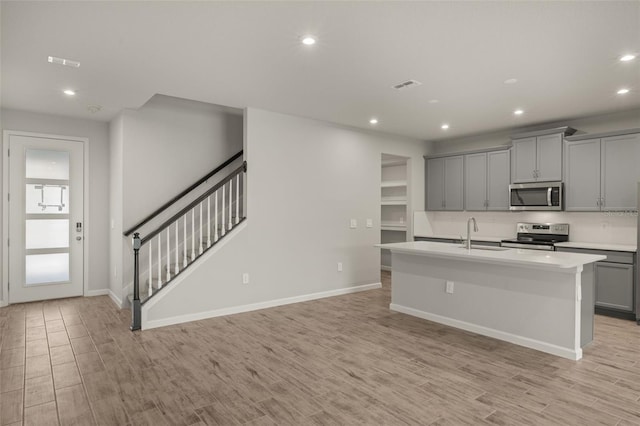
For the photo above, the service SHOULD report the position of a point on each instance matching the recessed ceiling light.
(623, 91)
(434, 101)
(511, 81)
(518, 112)
(444, 126)
(69, 92)
(308, 40)
(627, 58)
(373, 121)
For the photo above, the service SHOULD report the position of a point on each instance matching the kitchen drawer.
(612, 256)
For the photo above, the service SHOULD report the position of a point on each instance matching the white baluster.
(208, 221)
(237, 198)
(193, 233)
(215, 216)
(168, 254)
(230, 204)
(177, 254)
(223, 231)
(150, 247)
(201, 242)
(159, 260)
(184, 243)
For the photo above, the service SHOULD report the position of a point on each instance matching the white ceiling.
(239, 54)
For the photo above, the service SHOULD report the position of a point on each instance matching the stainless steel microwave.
(535, 196)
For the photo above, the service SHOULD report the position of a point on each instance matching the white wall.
(158, 151)
(116, 142)
(306, 179)
(98, 216)
(629, 119)
(170, 143)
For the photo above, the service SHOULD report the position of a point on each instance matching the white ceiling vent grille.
(406, 84)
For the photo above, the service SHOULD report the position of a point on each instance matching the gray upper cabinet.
(549, 157)
(620, 169)
(602, 173)
(435, 184)
(445, 183)
(582, 175)
(475, 181)
(487, 181)
(537, 156)
(524, 160)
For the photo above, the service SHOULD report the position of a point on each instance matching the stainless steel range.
(538, 236)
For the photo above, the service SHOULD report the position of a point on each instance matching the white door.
(46, 222)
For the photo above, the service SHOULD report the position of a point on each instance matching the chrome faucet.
(475, 229)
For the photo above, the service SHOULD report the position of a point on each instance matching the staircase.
(163, 254)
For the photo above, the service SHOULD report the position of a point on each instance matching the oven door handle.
(549, 196)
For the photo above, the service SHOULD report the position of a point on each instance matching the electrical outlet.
(339, 266)
(245, 278)
(369, 223)
(353, 224)
(449, 287)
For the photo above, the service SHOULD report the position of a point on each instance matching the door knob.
(78, 238)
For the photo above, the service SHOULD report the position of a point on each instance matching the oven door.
(535, 196)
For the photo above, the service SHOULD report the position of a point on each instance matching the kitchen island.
(541, 300)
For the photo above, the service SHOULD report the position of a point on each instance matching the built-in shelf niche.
(394, 203)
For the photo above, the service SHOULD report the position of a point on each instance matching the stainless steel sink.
(490, 248)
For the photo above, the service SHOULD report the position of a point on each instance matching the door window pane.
(47, 234)
(47, 199)
(46, 268)
(45, 164)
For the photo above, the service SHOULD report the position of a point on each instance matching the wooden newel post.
(136, 308)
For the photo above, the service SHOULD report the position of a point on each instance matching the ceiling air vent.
(406, 84)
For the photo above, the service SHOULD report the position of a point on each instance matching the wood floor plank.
(11, 379)
(343, 360)
(38, 390)
(73, 407)
(41, 415)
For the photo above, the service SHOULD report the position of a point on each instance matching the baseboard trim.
(3, 303)
(115, 298)
(491, 332)
(255, 306)
(101, 292)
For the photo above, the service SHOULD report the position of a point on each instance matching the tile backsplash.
(595, 227)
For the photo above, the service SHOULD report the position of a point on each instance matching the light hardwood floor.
(343, 360)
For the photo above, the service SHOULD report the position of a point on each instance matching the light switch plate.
(369, 223)
(353, 224)
(449, 287)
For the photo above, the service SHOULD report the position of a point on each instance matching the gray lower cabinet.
(614, 286)
(614, 280)
(445, 183)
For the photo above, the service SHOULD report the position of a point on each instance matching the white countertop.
(598, 246)
(474, 237)
(530, 258)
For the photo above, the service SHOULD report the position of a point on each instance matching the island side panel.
(533, 307)
(587, 310)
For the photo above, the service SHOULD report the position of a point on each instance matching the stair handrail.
(163, 226)
(172, 201)
(138, 242)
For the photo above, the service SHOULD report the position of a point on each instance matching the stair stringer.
(203, 285)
